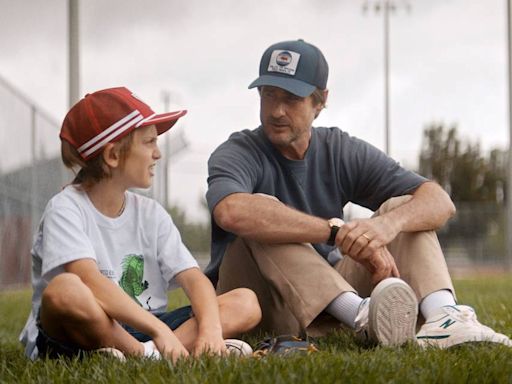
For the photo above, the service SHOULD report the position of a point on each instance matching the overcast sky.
(448, 64)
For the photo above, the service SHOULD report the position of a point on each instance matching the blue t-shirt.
(336, 169)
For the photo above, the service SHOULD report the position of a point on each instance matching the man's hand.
(365, 241)
(362, 237)
(381, 265)
(210, 342)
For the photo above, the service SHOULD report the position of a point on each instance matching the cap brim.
(164, 121)
(297, 87)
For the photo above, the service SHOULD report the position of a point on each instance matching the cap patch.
(283, 61)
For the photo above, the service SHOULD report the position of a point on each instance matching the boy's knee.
(244, 301)
(65, 292)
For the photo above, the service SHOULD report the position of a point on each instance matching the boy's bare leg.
(70, 313)
(239, 312)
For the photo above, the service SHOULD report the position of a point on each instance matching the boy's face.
(139, 166)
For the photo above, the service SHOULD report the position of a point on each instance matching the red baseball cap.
(108, 115)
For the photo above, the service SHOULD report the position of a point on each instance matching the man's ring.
(366, 237)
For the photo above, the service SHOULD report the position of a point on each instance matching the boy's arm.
(204, 303)
(119, 306)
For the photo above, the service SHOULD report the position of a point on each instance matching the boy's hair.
(89, 172)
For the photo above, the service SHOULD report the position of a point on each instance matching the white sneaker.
(457, 324)
(151, 351)
(111, 352)
(389, 315)
(237, 347)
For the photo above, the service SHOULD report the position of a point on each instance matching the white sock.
(150, 350)
(431, 303)
(345, 308)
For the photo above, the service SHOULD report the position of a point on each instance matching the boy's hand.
(209, 342)
(169, 346)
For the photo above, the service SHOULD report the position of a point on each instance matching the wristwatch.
(335, 224)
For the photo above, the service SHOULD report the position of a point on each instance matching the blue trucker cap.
(295, 66)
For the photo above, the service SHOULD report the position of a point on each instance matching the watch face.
(336, 222)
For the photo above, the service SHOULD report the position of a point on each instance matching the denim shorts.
(173, 320)
(53, 349)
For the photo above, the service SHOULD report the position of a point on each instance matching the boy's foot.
(111, 352)
(237, 347)
(151, 351)
(389, 315)
(457, 324)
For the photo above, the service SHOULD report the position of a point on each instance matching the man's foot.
(389, 315)
(457, 324)
(111, 352)
(237, 347)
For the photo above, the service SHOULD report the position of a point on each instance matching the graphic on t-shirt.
(133, 273)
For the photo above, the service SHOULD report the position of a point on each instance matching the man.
(276, 195)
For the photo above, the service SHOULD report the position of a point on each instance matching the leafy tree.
(475, 182)
(459, 166)
(195, 235)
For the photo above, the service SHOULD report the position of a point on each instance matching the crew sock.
(150, 350)
(345, 308)
(431, 304)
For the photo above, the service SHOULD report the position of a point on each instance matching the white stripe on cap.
(144, 120)
(107, 131)
(163, 116)
(86, 152)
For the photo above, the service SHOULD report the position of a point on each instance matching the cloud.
(448, 63)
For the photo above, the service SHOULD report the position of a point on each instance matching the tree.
(460, 168)
(475, 182)
(196, 236)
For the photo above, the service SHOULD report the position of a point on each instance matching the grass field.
(341, 359)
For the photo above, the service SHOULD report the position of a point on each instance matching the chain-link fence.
(475, 239)
(31, 172)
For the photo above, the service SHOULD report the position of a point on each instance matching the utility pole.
(386, 6)
(166, 98)
(74, 49)
(508, 227)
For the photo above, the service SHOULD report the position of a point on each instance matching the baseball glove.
(284, 345)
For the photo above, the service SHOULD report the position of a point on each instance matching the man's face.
(287, 118)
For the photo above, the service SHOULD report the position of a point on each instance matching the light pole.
(508, 227)
(386, 6)
(73, 52)
(166, 98)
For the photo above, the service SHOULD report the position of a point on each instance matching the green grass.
(341, 359)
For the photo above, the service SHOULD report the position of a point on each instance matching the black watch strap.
(332, 237)
(335, 223)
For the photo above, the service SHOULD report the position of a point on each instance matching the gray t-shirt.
(336, 169)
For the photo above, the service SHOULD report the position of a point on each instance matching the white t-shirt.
(141, 250)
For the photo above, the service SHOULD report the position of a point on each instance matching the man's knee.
(393, 203)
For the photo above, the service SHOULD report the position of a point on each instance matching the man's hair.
(319, 97)
(89, 172)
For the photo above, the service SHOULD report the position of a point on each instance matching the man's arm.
(428, 209)
(364, 239)
(264, 218)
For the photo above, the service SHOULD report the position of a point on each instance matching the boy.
(104, 257)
